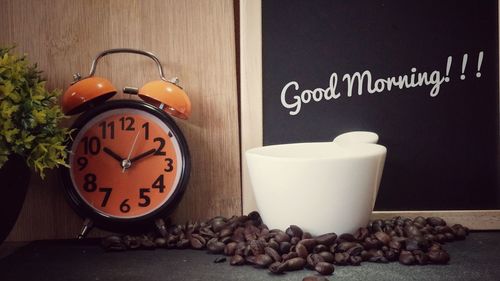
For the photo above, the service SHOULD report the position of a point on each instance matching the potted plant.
(30, 135)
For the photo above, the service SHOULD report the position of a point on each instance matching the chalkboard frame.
(251, 122)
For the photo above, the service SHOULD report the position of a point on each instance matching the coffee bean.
(113, 243)
(282, 237)
(390, 255)
(273, 254)
(420, 257)
(344, 246)
(251, 232)
(184, 243)
(308, 243)
(250, 260)
(361, 233)
(315, 278)
(295, 264)
(238, 235)
(438, 256)
(441, 238)
(355, 250)
(347, 237)
(383, 237)
(160, 242)
(263, 261)
(406, 258)
(341, 258)
(257, 247)
(326, 239)
(285, 247)
(226, 231)
(435, 221)
(365, 255)
(324, 268)
(371, 243)
(237, 260)
(320, 248)
(449, 236)
(327, 256)
(313, 259)
(289, 256)
(220, 260)
(459, 232)
(195, 243)
(218, 224)
(306, 235)
(411, 231)
(207, 232)
(215, 247)
(355, 260)
(420, 220)
(148, 244)
(294, 240)
(273, 244)
(294, 231)
(377, 256)
(278, 267)
(435, 247)
(395, 245)
(230, 248)
(301, 250)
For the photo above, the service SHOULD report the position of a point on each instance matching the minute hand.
(142, 155)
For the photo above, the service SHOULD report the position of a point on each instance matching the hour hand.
(113, 154)
(142, 155)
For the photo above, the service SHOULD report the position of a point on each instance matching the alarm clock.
(129, 162)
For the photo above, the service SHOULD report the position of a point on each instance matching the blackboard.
(422, 74)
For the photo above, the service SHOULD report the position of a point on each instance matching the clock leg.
(87, 225)
(160, 224)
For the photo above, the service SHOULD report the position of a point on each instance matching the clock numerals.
(82, 162)
(107, 194)
(143, 196)
(124, 206)
(159, 150)
(127, 123)
(90, 184)
(104, 128)
(158, 183)
(145, 126)
(91, 145)
(170, 165)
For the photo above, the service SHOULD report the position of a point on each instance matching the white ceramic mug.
(322, 187)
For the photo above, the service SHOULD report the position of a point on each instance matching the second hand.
(131, 149)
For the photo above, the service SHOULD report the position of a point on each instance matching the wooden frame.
(251, 123)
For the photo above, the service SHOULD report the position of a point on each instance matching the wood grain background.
(195, 41)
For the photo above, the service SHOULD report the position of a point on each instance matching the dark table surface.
(476, 258)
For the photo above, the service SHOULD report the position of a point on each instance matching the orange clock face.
(125, 163)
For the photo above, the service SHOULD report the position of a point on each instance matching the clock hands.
(113, 154)
(127, 163)
(142, 155)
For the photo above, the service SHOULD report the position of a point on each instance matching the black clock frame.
(137, 224)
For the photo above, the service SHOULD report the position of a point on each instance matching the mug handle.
(357, 137)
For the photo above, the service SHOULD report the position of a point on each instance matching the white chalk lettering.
(360, 82)
(307, 95)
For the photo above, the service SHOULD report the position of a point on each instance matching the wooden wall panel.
(194, 40)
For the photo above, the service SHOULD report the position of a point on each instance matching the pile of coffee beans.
(246, 240)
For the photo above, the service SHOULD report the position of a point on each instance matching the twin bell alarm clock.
(129, 162)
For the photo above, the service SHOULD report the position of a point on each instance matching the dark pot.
(14, 182)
